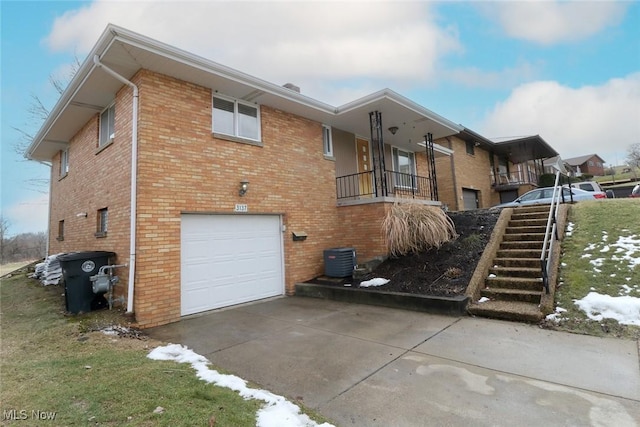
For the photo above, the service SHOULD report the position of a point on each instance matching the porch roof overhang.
(91, 90)
(523, 149)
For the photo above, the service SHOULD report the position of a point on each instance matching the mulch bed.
(444, 271)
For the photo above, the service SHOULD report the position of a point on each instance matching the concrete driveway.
(373, 366)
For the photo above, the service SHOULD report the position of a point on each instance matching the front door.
(365, 178)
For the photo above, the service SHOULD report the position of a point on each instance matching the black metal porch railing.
(514, 178)
(396, 184)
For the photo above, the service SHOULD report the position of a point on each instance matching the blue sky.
(569, 71)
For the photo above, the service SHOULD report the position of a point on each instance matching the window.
(60, 231)
(404, 166)
(327, 141)
(107, 126)
(590, 162)
(471, 148)
(102, 223)
(64, 162)
(235, 118)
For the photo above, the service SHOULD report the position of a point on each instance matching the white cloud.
(575, 121)
(475, 77)
(28, 215)
(549, 22)
(298, 42)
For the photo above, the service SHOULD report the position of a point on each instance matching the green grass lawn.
(596, 258)
(57, 365)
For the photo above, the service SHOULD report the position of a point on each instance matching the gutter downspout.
(134, 179)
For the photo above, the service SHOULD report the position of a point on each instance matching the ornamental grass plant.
(412, 228)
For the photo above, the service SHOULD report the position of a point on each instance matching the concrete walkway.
(373, 366)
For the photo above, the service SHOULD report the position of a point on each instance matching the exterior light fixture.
(81, 215)
(244, 186)
(393, 130)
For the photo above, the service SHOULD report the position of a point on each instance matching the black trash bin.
(77, 268)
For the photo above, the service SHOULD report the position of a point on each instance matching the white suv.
(593, 187)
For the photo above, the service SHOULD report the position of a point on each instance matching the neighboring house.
(481, 173)
(218, 188)
(591, 164)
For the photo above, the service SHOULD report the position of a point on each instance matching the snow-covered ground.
(378, 281)
(624, 253)
(277, 411)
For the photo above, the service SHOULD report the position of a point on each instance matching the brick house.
(590, 164)
(480, 173)
(218, 188)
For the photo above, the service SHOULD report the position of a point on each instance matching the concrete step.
(530, 262)
(529, 223)
(532, 208)
(509, 310)
(519, 253)
(528, 272)
(527, 216)
(497, 294)
(526, 229)
(523, 244)
(520, 283)
(527, 237)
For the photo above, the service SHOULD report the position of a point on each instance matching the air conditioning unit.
(339, 262)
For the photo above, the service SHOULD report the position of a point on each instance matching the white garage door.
(229, 259)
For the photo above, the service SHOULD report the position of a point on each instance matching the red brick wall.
(471, 172)
(96, 179)
(183, 168)
(360, 227)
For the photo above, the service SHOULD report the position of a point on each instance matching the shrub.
(411, 228)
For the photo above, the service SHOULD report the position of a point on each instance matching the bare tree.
(38, 111)
(633, 158)
(22, 247)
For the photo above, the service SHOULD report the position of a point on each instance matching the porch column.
(431, 160)
(377, 154)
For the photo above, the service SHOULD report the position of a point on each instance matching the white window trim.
(102, 226)
(64, 162)
(394, 150)
(102, 142)
(327, 145)
(235, 118)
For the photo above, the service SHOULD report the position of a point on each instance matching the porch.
(503, 181)
(369, 185)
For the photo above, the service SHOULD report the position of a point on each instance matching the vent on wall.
(292, 87)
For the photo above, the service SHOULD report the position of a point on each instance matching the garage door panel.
(229, 259)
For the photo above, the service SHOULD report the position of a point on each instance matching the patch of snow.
(492, 275)
(378, 281)
(483, 299)
(569, 229)
(597, 262)
(556, 316)
(277, 410)
(605, 249)
(586, 256)
(624, 309)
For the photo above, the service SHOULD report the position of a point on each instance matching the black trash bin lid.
(72, 256)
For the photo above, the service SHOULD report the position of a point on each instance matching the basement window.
(236, 118)
(102, 222)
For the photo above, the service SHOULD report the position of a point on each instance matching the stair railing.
(551, 231)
